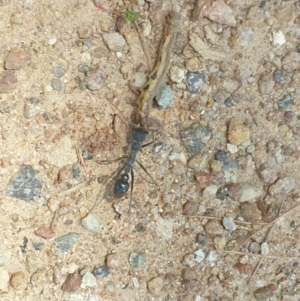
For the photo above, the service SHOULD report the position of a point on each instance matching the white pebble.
(278, 38)
(232, 148)
(52, 41)
(118, 54)
(199, 255)
(264, 248)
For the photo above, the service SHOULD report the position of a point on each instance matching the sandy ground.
(52, 139)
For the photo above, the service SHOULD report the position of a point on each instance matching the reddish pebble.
(45, 232)
(17, 59)
(72, 283)
(8, 82)
(192, 285)
(245, 269)
(204, 179)
(190, 208)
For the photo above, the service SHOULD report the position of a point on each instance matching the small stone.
(8, 81)
(285, 102)
(66, 242)
(189, 260)
(30, 110)
(234, 191)
(176, 74)
(237, 132)
(264, 248)
(195, 137)
(210, 191)
(91, 223)
(88, 280)
(32, 264)
(65, 174)
(114, 41)
(137, 259)
(250, 212)
(4, 256)
(228, 102)
(192, 285)
(263, 294)
(83, 68)
(101, 271)
(232, 148)
(58, 72)
(123, 26)
(213, 227)
(26, 185)
(229, 223)
(155, 285)
(4, 280)
(203, 179)
(18, 281)
(199, 255)
(267, 174)
(278, 38)
(195, 81)
(52, 41)
(254, 247)
(110, 287)
(245, 269)
(188, 274)
(250, 191)
(219, 243)
(72, 283)
(222, 193)
(178, 169)
(44, 232)
(291, 61)
(165, 98)
(192, 64)
(190, 208)
(112, 261)
(279, 76)
(84, 32)
(56, 84)
(221, 96)
(95, 80)
(282, 187)
(221, 156)
(17, 59)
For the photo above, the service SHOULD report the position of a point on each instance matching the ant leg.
(131, 189)
(145, 170)
(110, 161)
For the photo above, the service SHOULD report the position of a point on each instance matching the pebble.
(18, 281)
(221, 96)
(195, 81)
(112, 261)
(278, 38)
(83, 68)
(4, 280)
(52, 41)
(84, 32)
(250, 191)
(282, 187)
(285, 102)
(44, 232)
(114, 41)
(16, 59)
(234, 191)
(192, 64)
(291, 61)
(176, 74)
(232, 148)
(136, 260)
(221, 156)
(262, 294)
(65, 174)
(8, 81)
(32, 264)
(254, 247)
(264, 248)
(199, 255)
(56, 84)
(4, 256)
(229, 223)
(101, 271)
(245, 269)
(188, 274)
(72, 283)
(58, 72)
(237, 132)
(250, 212)
(219, 12)
(203, 179)
(210, 191)
(155, 285)
(26, 185)
(178, 169)
(267, 174)
(192, 285)
(219, 242)
(30, 110)
(279, 76)
(88, 280)
(189, 260)
(66, 242)
(165, 97)
(228, 102)
(195, 137)
(222, 193)
(190, 208)
(91, 223)
(213, 227)
(63, 153)
(202, 241)
(95, 80)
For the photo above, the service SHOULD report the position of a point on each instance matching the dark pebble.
(222, 193)
(221, 96)
(26, 185)
(195, 137)
(83, 68)
(72, 283)
(66, 242)
(87, 155)
(136, 260)
(228, 102)
(202, 241)
(279, 76)
(190, 208)
(221, 156)
(285, 102)
(140, 228)
(101, 271)
(234, 191)
(34, 100)
(76, 170)
(56, 84)
(230, 164)
(194, 81)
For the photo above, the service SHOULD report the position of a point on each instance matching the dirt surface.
(225, 160)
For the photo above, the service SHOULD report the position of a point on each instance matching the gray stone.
(137, 259)
(56, 84)
(250, 191)
(95, 80)
(58, 72)
(66, 242)
(229, 223)
(165, 98)
(26, 185)
(91, 223)
(279, 76)
(282, 186)
(285, 102)
(195, 81)
(101, 271)
(114, 41)
(30, 110)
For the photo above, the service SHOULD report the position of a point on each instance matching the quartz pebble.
(91, 223)
(88, 280)
(229, 223)
(165, 97)
(250, 191)
(176, 74)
